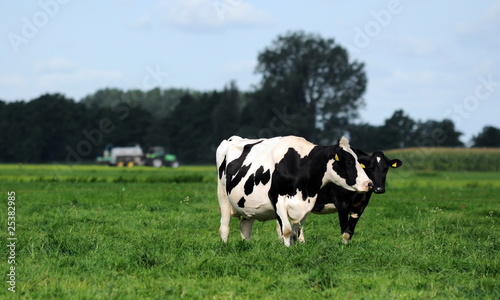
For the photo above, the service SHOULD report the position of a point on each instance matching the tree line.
(53, 128)
(309, 88)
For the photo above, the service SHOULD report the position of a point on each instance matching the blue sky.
(432, 59)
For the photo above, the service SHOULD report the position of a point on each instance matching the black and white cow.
(279, 178)
(350, 205)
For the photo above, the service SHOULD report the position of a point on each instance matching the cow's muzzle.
(365, 187)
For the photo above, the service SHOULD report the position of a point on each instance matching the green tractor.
(157, 157)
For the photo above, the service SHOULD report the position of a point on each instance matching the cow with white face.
(279, 178)
(350, 205)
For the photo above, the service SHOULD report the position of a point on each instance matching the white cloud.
(415, 90)
(57, 71)
(143, 22)
(56, 79)
(211, 14)
(484, 30)
(247, 66)
(11, 81)
(410, 45)
(399, 77)
(423, 47)
(55, 64)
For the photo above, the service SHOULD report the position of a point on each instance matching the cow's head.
(376, 167)
(346, 170)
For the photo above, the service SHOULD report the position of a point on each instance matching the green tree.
(159, 103)
(13, 128)
(226, 112)
(397, 131)
(488, 137)
(59, 121)
(314, 80)
(437, 134)
(190, 129)
(39, 130)
(365, 137)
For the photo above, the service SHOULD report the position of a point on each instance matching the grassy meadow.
(98, 232)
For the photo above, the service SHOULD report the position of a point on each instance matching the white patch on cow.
(362, 179)
(299, 208)
(328, 209)
(344, 143)
(379, 159)
(354, 215)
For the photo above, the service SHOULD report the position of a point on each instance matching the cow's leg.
(353, 220)
(300, 233)
(296, 232)
(282, 216)
(225, 212)
(246, 228)
(344, 226)
(278, 230)
(298, 210)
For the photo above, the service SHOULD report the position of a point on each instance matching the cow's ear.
(396, 163)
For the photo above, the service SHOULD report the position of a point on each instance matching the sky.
(432, 59)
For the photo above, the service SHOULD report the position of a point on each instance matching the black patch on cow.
(235, 170)
(222, 167)
(233, 182)
(285, 176)
(241, 203)
(305, 174)
(261, 176)
(249, 185)
(346, 166)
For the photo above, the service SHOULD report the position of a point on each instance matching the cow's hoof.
(346, 237)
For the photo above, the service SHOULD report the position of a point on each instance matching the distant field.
(449, 159)
(104, 174)
(98, 232)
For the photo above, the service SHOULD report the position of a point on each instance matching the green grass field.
(95, 232)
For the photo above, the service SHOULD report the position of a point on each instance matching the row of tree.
(309, 88)
(53, 128)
